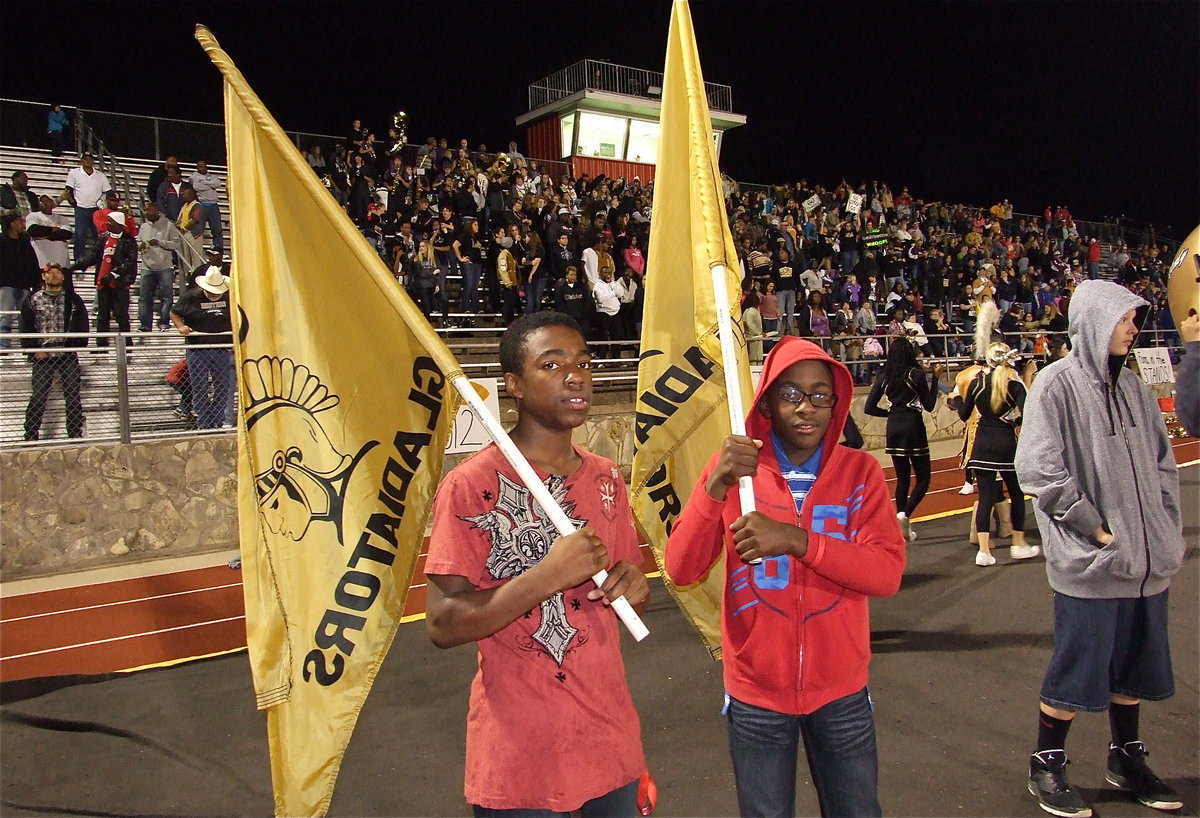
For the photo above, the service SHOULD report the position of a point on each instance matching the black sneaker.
(1048, 782)
(1127, 769)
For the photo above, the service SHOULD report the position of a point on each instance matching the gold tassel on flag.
(345, 410)
(681, 410)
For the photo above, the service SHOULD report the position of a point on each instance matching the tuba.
(503, 163)
(1183, 284)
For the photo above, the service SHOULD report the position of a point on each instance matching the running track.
(167, 618)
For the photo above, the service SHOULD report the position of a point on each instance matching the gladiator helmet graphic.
(306, 477)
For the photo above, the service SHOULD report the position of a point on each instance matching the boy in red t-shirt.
(551, 724)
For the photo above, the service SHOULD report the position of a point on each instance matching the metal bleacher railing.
(126, 395)
(24, 123)
(600, 75)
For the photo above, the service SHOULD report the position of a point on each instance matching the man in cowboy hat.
(202, 315)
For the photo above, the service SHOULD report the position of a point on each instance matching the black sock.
(1052, 732)
(1123, 720)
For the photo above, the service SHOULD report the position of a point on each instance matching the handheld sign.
(1155, 366)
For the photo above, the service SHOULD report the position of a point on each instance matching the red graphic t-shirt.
(551, 722)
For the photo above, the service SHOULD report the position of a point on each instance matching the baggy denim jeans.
(839, 740)
(154, 284)
(213, 366)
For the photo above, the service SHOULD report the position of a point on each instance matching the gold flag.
(681, 412)
(345, 410)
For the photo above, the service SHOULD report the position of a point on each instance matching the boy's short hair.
(513, 341)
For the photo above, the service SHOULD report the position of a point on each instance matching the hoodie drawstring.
(1128, 408)
(1108, 402)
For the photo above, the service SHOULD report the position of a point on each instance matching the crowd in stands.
(840, 264)
(845, 264)
(472, 232)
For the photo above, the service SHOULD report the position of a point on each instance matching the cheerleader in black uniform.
(909, 391)
(999, 395)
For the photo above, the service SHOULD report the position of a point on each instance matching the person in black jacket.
(18, 270)
(909, 390)
(115, 257)
(571, 296)
(17, 197)
(53, 309)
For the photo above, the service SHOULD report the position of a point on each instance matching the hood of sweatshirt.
(789, 351)
(1096, 309)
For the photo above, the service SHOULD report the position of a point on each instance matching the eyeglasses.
(818, 400)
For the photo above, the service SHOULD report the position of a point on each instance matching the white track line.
(120, 638)
(121, 602)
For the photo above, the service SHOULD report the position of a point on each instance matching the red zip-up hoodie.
(795, 634)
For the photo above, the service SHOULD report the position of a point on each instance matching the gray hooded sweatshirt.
(1093, 453)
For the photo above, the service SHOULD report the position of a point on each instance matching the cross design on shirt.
(521, 535)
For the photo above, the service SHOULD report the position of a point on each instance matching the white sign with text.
(1155, 366)
(811, 203)
(468, 434)
(854, 203)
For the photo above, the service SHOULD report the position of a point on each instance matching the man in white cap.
(115, 257)
(203, 316)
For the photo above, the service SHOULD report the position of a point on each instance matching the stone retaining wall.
(72, 508)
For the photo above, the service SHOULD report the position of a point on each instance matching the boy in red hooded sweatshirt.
(795, 632)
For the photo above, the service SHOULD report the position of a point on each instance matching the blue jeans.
(620, 802)
(535, 291)
(839, 740)
(1107, 646)
(787, 310)
(213, 366)
(212, 220)
(769, 325)
(158, 284)
(85, 229)
(469, 302)
(11, 299)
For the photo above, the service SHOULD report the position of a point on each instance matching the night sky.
(1091, 104)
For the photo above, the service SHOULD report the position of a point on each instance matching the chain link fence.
(133, 388)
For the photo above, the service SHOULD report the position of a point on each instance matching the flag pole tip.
(203, 33)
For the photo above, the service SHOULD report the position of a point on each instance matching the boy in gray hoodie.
(1095, 455)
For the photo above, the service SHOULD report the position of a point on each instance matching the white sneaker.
(906, 526)
(968, 488)
(1024, 552)
(984, 560)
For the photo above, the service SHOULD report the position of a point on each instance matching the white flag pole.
(733, 389)
(540, 493)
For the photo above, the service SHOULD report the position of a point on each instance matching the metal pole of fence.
(123, 390)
